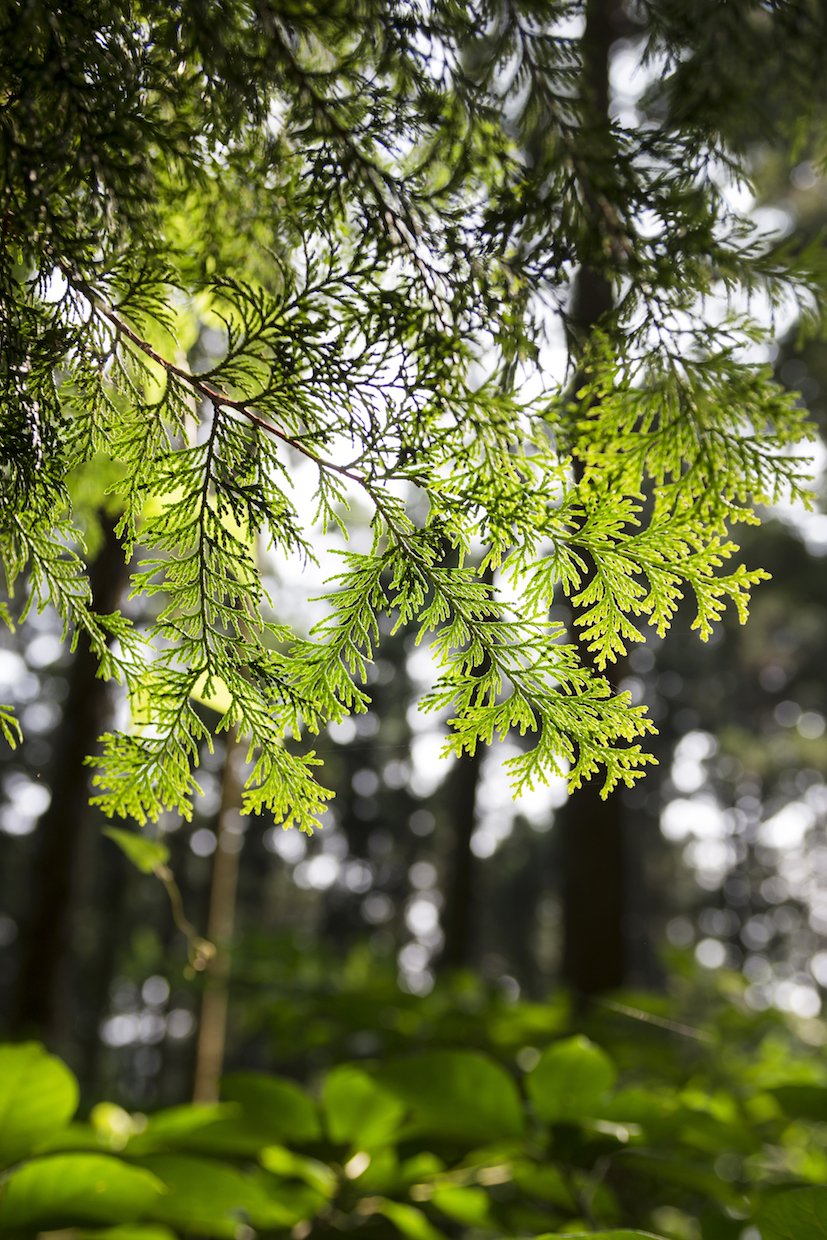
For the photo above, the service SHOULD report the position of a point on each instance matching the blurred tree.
(605, 905)
(739, 724)
(63, 867)
(742, 790)
(378, 214)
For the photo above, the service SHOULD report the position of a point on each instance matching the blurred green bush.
(711, 1134)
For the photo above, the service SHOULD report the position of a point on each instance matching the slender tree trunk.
(212, 1032)
(460, 888)
(594, 956)
(104, 907)
(43, 1003)
(459, 904)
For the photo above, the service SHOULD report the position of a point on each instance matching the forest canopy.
(392, 216)
(479, 303)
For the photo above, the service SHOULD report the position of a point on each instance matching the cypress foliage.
(384, 206)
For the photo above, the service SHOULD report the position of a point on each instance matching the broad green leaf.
(680, 1167)
(278, 1108)
(146, 854)
(529, 1022)
(600, 1235)
(641, 1106)
(802, 1101)
(38, 1097)
(410, 1221)
(797, 1215)
(420, 1166)
(75, 1137)
(545, 1182)
(300, 1201)
(285, 1163)
(226, 1138)
(176, 1127)
(469, 1206)
(64, 1190)
(359, 1109)
(381, 1175)
(456, 1095)
(211, 1198)
(570, 1080)
(708, 1132)
(130, 1231)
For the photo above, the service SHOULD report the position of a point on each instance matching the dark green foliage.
(801, 1215)
(653, 1130)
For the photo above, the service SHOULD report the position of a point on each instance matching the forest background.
(681, 924)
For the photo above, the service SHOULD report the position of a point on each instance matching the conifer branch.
(206, 390)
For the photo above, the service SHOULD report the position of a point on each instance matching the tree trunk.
(102, 910)
(43, 1004)
(594, 956)
(462, 800)
(212, 1032)
(459, 904)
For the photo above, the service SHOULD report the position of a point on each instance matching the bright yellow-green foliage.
(380, 207)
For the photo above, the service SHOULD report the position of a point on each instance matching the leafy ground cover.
(719, 1136)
